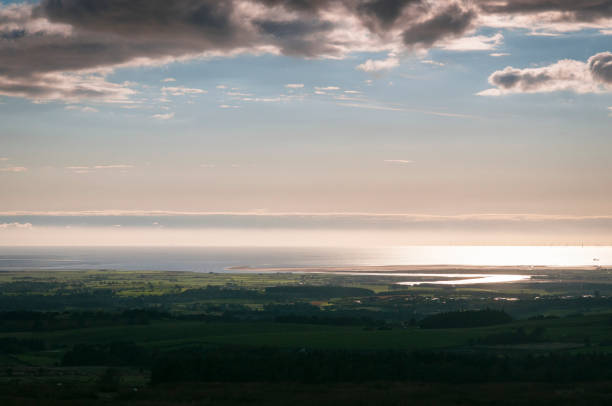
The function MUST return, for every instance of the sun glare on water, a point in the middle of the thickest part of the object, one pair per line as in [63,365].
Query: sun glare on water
[501,255]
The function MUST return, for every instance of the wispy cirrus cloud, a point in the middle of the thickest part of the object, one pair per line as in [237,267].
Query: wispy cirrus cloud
[163,116]
[372,106]
[181,91]
[5,226]
[84,109]
[92,168]
[13,169]
[536,226]
[71,87]
[114,166]
[399,161]
[474,43]
[265,213]
[431,62]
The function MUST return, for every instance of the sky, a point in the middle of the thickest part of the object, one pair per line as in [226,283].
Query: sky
[297,122]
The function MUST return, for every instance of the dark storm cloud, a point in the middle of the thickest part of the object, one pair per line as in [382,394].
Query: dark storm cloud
[387,11]
[300,5]
[209,19]
[106,33]
[600,66]
[453,21]
[53,37]
[380,15]
[12,34]
[68,37]
[298,37]
[111,32]
[571,10]
[376,15]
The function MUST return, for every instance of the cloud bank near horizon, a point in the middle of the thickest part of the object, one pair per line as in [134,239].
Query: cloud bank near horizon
[336,229]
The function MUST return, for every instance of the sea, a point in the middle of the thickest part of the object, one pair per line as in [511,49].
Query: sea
[222,259]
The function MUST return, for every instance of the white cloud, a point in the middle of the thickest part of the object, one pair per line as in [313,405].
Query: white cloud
[474,43]
[593,76]
[238,94]
[169,80]
[431,62]
[14,169]
[370,106]
[350,97]
[166,116]
[490,92]
[4,226]
[265,99]
[294,85]
[499,54]
[399,161]
[115,166]
[84,109]
[89,169]
[228,106]
[372,65]
[181,91]
[69,87]
[324,88]
[221,87]
[544,34]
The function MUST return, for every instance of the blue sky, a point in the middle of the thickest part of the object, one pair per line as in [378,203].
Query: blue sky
[283,131]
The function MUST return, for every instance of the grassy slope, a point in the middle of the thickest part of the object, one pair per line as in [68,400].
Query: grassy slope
[175,334]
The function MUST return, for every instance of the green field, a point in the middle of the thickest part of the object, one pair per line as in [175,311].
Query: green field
[98,335]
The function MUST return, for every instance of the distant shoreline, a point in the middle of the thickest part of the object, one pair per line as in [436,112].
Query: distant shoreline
[458,269]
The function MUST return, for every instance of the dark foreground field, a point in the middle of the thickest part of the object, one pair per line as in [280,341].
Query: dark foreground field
[155,338]
[371,393]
